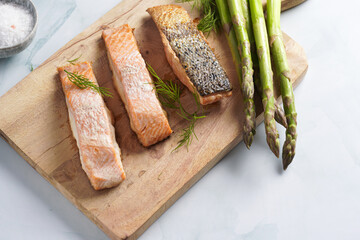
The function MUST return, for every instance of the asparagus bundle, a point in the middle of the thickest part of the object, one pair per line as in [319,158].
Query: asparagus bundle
[244,64]
[279,113]
[282,70]
[266,75]
[256,65]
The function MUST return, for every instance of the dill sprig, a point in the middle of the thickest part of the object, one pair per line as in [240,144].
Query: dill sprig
[210,16]
[169,93]
[169,96]
[31,68]
[83,82]
[189,132]
[72,61]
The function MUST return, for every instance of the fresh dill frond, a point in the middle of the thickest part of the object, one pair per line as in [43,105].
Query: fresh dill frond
[169,93]
[31,68]
[83,82]
[186,136]
[189,132]
[72,62]
[210,21]
[169,96]
[210,15]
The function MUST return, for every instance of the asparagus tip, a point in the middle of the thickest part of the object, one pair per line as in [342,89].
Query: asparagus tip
[280,116]
[288,151]
[248,138]
[287,159]
[274,145]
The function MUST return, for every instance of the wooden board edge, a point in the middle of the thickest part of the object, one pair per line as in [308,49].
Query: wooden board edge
[285,4]
[16,148]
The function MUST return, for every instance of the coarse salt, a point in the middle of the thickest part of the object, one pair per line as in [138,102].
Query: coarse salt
[16,23]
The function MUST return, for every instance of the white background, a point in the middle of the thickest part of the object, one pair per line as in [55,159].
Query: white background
[245,196]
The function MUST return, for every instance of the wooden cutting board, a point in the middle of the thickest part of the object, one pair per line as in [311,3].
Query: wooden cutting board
[34,121]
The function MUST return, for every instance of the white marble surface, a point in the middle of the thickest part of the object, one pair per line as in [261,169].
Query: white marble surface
[245,196]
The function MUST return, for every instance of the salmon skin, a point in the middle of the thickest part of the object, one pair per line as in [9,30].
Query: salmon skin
[90,121]
[133,82]
[189,54]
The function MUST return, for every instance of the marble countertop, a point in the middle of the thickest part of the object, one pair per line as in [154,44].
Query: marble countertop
[245,196]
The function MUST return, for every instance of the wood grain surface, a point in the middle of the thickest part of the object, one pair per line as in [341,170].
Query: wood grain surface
[286,4]
[34,121]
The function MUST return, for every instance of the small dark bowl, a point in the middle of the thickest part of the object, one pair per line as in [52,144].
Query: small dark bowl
[15,49]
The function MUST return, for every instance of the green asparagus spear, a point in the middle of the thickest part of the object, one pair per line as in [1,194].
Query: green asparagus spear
[279,113]
[282,69]
[245,65]
[266,75]
[226,23]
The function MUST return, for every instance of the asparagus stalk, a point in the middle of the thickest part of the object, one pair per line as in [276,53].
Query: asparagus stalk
[279,113]
[250,124]
[282,69]
[266,75]
[245,65]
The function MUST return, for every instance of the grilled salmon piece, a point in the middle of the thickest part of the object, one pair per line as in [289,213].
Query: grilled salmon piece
[189,54]
[134,85]
[90,121]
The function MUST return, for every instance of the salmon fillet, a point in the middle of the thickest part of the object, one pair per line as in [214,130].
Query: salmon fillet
[190,55]
[90,121]
[134,85]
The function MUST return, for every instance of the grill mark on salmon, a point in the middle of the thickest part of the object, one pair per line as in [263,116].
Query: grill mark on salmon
[134,85]
[189,54]
[90,122]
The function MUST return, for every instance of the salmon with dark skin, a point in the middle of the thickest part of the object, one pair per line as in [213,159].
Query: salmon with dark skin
[134,84]
[190,55]
[90,122]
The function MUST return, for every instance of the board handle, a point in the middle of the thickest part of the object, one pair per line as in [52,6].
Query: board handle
[286,4]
